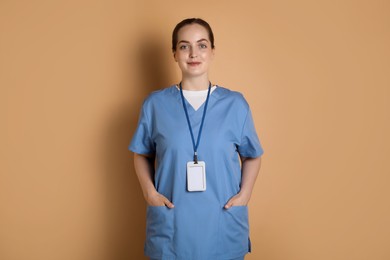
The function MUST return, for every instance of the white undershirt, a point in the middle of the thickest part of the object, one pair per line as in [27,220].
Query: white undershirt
[196,97]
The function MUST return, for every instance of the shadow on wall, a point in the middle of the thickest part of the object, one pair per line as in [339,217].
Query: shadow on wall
[125,205]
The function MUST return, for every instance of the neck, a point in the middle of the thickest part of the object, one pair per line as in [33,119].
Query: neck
[195,83]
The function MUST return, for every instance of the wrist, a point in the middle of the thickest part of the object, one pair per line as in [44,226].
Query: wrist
[150,193]
[245,195]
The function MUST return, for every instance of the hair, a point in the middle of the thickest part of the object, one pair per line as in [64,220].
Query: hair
[188,22]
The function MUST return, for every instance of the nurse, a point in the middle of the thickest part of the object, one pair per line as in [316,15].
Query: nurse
[197,156]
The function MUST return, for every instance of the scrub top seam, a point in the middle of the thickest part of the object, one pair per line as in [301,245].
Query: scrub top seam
[243,125]
[148,126]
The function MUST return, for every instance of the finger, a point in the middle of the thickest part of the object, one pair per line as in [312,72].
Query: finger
[168,203]
[229,204]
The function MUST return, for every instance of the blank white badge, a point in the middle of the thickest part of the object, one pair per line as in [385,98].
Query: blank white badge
[196,176]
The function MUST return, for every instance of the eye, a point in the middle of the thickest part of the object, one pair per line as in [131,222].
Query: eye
[183,47]
[203,46]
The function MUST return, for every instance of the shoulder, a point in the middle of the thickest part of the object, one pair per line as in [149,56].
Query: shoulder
[235,97]
[159,95]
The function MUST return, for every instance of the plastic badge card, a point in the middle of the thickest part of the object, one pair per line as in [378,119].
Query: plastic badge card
[196,176]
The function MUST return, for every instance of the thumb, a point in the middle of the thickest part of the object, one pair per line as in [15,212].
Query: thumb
[229,204]
[168,203]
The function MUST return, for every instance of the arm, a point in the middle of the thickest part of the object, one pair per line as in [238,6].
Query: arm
[249,171]
[144,168]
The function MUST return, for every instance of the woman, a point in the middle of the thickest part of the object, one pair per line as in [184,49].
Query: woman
[197,156]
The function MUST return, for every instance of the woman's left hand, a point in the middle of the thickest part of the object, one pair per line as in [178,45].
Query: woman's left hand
[237,200]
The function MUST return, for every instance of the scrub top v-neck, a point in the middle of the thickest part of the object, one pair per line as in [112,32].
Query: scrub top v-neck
[198,228]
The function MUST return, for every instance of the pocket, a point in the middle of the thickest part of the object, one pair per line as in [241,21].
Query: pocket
[159,230]
[234,230]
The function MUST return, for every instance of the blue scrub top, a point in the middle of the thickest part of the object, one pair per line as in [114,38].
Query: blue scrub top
[198,228]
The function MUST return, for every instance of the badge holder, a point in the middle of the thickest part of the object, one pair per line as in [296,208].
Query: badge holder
[196,176]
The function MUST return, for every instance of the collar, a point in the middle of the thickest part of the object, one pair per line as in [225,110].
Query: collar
[218,93]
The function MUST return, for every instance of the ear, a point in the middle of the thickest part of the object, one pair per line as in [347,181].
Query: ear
[213,53]
[174,55]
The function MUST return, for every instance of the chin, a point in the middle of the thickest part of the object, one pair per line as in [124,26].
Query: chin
[195,74]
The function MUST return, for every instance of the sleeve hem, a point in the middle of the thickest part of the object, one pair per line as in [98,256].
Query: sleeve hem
[138,150]
[252,155]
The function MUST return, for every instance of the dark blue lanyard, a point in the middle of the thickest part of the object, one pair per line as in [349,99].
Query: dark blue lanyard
[189,123]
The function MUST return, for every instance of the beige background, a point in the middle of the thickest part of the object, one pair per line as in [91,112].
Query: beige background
[73,75]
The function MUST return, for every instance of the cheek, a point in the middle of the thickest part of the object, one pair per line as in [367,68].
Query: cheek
[207,55]
[179,56]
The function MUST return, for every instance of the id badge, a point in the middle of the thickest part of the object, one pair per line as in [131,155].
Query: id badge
[196,176]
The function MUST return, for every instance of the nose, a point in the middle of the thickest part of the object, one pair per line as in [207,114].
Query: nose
[193,53]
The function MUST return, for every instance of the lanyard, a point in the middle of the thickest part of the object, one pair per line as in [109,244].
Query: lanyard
[189,124]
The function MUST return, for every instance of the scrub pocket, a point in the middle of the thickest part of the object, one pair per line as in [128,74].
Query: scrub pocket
[234,231]
[159,231]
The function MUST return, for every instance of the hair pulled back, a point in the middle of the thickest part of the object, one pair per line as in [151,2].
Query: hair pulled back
[188,22]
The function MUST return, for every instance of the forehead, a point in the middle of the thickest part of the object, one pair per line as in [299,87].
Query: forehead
[192,32]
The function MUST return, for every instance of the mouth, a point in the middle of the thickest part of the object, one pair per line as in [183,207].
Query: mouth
[193,63]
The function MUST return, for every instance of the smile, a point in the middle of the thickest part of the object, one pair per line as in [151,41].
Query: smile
[193,63]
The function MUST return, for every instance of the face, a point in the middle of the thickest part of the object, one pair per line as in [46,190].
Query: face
[193,50]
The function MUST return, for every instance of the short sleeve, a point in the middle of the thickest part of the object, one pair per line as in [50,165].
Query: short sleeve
[250,144]
[141,142]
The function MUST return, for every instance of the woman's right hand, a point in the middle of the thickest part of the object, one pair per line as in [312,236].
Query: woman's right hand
[157,199]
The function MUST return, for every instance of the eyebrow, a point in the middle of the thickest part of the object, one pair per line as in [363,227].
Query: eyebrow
[201,40]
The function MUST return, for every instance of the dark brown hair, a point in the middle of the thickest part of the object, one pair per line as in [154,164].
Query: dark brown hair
[191,21]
